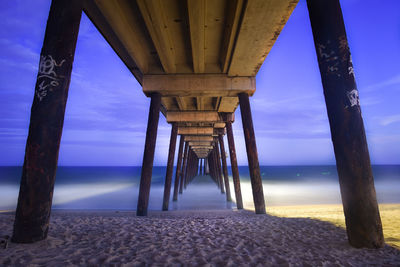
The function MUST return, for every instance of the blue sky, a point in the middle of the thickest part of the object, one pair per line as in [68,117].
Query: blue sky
[106,115]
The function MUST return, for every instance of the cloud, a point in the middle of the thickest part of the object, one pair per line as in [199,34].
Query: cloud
[384,121]
[395,80]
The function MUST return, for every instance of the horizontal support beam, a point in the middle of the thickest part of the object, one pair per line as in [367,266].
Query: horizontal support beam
[219,125]
[199,138]
[199,116]
[202,148]
[198,85]
[196,130]
[193,116]
[194,143]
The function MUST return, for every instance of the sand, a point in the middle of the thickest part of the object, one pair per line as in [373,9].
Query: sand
[210,238]
[390,216]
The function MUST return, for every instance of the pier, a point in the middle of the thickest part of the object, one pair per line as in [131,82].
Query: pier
[197,61]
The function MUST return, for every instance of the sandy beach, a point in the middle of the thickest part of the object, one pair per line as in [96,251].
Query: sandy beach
[211,238]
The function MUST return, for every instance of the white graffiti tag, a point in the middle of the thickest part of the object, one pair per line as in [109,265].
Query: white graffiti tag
[47,77]
[353,97]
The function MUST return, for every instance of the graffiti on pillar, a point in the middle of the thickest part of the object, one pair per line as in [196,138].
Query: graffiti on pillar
[353,98]
[329,58]
[47,77]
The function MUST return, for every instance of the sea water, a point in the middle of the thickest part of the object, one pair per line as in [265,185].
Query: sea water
[118,187]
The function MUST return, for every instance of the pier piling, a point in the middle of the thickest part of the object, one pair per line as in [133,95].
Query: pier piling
[252,155]
[148,156]
[234,166]
[46,123]
[170,166]
[363,223]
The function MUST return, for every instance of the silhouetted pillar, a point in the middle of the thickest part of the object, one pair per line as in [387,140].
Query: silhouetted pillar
[170,166]
[218,168]
[363,223]
[148,156]
[252,155]
[178,168]
[185,161]
[234,166]
[188,165]
[224,168]
[47,117]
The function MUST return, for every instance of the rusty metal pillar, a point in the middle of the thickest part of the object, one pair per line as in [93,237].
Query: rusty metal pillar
[178,168]
[224,168]
[170,166]
[47,117]
[148,156]
[363,223]
[252,155]
[234,166]
[183,172]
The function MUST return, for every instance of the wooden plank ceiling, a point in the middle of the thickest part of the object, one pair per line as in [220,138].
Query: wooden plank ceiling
[199,54]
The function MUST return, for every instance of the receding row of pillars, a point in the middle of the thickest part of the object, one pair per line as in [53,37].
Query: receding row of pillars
[188,163]
[363,224]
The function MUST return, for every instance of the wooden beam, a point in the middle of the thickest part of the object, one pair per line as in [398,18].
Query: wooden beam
[197,23]
[199,143]
[193,116]
[200,103]
[154,17]
[219,125]
[260,27]
[199,138]
[212,85]
[181,103]
[228,104]
[125,26]
[32,216]
[232,24]
[195,130]
[103,26]
[201,147]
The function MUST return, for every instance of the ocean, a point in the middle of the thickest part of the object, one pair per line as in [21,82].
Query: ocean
[117,188]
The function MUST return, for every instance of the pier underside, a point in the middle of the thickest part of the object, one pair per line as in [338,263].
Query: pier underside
[197,60]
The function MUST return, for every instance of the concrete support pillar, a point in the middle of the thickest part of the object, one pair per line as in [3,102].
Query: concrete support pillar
[224,168]
[183,173]
[170,166]
[363,223]
[178,168]
[234,166]
[47,117]
[148,156]
[252,155]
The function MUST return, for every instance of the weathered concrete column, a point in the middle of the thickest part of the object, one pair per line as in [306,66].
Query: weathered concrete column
[363,223]
[178,168]
[148,156]
[170,166]
[225,168]
[47,117]
[185,161]
[252,155]
[234,165]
